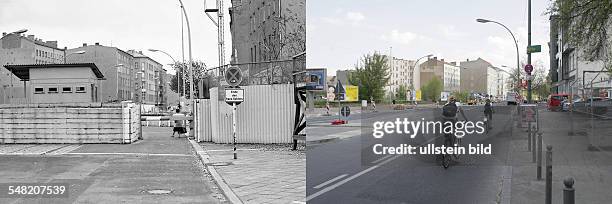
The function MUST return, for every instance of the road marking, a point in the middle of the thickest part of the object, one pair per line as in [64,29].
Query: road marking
[136,154]
[380,159]
[228,150]
[330,181]
[329,188]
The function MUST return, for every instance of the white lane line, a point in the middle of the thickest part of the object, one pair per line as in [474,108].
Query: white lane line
[227,150]
[329,188]
[380,159]
[137,154]
[330,181]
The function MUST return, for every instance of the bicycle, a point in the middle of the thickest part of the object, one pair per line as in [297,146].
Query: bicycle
[446,158]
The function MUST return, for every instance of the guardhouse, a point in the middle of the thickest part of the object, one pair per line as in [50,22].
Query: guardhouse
[59,83]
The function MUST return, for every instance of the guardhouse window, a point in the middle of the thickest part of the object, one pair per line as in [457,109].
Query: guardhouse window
[67,90]
[80,89]
[39,90]
[52,90]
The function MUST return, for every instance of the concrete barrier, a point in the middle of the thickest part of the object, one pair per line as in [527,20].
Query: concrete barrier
[69,123]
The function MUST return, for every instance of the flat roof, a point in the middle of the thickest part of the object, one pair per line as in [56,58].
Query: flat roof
[23,70]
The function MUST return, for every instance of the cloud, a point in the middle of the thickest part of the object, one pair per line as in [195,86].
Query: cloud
[354,17]
[450,31]
[342,17]
[402,37]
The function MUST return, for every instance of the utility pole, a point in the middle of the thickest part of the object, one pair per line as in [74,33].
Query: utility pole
[529,53]
[220,34]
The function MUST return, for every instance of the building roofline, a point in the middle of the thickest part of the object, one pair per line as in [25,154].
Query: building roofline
[23,70]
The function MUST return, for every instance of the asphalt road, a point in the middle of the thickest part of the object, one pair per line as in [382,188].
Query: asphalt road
[158,169]
[337,174]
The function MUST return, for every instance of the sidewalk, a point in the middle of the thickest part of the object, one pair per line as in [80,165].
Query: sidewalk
[262,173]
[591,170]
[158,169]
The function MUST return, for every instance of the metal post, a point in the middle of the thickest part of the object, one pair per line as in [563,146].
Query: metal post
[568,191]
[539,150]
[234,128]
[529,137]
[533,146]
[528,45]
[548,174]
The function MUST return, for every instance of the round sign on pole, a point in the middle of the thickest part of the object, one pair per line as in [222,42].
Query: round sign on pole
[345,111]
[233,76]
[528,68]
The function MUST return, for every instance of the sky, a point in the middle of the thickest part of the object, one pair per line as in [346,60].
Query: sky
[340,32]
[133,24]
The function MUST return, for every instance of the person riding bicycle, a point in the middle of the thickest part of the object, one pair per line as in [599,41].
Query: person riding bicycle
[488,111]
[450,110]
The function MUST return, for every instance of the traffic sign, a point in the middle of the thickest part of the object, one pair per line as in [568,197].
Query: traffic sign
[534,49]
[233,76]
[234,95]
[528,68]
[345,111]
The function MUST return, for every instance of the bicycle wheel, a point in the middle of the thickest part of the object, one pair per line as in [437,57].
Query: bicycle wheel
[458,142]
[446,158]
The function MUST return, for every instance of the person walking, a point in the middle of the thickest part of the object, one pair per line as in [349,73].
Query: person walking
[179,125]
[488,111]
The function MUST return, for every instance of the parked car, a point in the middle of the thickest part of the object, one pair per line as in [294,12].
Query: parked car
[566,103]
[555,101]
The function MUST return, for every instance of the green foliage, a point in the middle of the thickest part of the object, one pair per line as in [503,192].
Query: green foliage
[462,96]
[432,89]
[371,76]
[401,93]
[588,25]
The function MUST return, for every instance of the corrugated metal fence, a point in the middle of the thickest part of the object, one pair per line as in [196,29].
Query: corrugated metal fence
[266,116]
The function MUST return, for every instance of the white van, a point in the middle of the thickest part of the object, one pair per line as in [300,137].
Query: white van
[512,98]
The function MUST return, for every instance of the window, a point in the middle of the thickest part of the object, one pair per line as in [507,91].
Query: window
[67,90]
[80,89]
[39,90]
[52,90]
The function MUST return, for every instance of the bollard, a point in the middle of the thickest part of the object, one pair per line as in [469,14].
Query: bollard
[539,150]
[528,136]
[534,150]
[568,191]
[548,174]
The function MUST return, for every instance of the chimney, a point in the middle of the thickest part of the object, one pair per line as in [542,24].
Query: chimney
[97,43]
[31,37]
[52,43]
[84,44]
[3,34]
[140,52]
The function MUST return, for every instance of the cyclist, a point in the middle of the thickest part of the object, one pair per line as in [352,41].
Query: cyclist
[449,114]
[488,111]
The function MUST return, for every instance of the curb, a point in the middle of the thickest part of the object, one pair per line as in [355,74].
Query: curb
[227,191]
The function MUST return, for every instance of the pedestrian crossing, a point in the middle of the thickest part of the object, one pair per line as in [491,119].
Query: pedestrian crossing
[37,149]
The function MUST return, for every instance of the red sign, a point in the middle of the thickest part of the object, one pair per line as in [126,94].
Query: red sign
[528,69]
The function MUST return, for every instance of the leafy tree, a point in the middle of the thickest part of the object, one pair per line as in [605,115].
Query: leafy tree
[401,93]
[588,25]
[432,89]
[182,76]
[462,96]
[371,76]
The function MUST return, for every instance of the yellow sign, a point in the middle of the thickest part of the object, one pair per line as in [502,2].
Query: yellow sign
[352,93]
[418,95]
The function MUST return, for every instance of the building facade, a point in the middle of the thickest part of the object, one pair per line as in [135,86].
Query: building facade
[21,49]
[401,73]
[266,35]
[150,79]
[569,72]
[448,73]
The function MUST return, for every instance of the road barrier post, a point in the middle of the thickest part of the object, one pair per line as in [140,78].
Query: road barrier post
[534,149]
[539,149]
[548,174]
[568,191]
[529,137]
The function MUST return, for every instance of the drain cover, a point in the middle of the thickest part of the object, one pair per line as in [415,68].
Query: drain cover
[159,192]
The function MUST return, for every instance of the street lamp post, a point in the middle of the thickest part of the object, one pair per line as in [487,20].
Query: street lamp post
[190,56]
[415,70]
[518,66]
